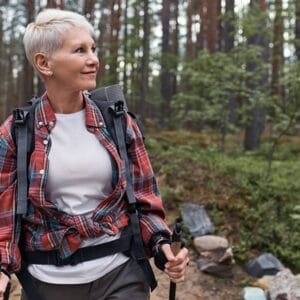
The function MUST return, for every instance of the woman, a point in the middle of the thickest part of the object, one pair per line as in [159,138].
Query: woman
[76,183]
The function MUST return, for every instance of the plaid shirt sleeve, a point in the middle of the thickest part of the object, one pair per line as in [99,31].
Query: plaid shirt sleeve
[145,187]
[9,250]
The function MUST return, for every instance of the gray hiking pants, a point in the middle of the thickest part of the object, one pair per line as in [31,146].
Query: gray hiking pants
[126,282]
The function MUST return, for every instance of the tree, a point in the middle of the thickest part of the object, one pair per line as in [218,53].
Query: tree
[229,28]
[212,37]
[103,40]
[277,55]
[116,12]
[145,59]
[27,74]
[257,37]
[55,4]
[297,29]
[166,84]
[189,52]
[88,9]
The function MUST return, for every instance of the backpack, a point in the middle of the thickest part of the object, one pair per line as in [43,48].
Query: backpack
[112,104]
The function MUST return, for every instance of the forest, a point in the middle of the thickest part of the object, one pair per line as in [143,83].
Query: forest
[217,85]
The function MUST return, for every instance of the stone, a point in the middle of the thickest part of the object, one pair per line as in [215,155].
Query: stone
[253,293]
[210,267]
[284,286]
[265,264]
[210,243]
[197,220]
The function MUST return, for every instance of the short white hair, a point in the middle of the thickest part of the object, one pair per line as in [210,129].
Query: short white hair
[47,33]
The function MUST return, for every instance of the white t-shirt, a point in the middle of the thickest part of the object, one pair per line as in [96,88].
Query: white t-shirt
[80,176]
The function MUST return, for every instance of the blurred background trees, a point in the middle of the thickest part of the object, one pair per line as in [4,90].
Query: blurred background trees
[204,65]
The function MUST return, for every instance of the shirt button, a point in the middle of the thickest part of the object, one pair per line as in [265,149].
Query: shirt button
[45,142]
[41,123]
[42,172]
[51,123]
[101,123]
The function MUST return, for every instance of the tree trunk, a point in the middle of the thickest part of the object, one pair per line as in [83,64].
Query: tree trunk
[277,57]
[201,38]
[175,45]
[297,29]
[125,76]
[229,28]
[103,40]
[114,38]
[55,4]
[2,73]
[88,9]
[27,91]
[256,123]
[189,52]
[145,59]
[166,86]
[212,25]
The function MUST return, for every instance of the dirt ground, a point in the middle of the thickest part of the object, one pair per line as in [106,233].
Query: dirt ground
[197,286]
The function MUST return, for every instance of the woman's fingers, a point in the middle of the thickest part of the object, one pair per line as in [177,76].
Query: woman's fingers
[4,279]
[175,268]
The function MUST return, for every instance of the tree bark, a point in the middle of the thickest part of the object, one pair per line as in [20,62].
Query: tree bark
[145,59]
[175,45]
[256,123]
[27,91]
[125,49]
[297,29]
[166,86]
[277,57]
[88,9]
[212,25]
[229,28]
[114,38]
[3,108]
[102,42]
[201,38]
[189,52]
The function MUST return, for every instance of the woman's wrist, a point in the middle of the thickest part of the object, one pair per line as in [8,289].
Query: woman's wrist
[4,271]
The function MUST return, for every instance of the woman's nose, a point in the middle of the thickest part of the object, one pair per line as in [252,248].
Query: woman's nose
[93,58]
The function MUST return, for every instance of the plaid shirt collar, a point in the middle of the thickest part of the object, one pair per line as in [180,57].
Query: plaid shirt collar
[45,115]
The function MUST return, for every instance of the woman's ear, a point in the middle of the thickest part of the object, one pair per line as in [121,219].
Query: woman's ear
[42,64]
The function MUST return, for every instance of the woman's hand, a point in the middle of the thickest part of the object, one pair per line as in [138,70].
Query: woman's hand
[4,280]
[176,266]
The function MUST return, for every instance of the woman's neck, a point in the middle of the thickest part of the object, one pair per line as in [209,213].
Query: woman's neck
[65,102]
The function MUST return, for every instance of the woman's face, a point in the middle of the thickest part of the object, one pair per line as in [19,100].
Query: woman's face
[75,65]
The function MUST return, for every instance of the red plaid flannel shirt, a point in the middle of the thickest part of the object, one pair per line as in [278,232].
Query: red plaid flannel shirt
[46,228]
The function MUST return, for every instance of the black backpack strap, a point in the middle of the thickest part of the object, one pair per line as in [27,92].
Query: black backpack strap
[23,136]
[112,104]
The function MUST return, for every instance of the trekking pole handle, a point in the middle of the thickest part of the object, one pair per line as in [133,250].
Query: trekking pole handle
[176,239]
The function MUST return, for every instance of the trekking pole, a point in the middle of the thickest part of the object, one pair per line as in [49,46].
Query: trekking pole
[175,247]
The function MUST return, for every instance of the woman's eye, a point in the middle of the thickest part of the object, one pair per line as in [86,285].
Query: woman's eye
[79,50]
[94,49]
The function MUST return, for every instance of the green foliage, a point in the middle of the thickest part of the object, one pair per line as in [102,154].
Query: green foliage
[263,215]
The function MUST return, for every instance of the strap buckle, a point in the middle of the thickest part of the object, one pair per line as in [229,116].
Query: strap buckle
[119,108]
[70,260]
[19,116]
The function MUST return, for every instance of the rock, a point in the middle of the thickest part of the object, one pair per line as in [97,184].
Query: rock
[197,220]
[253,293]
[210,242]
[285,286]
[295,289]
[210,267]
[265,264]
[228,256]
